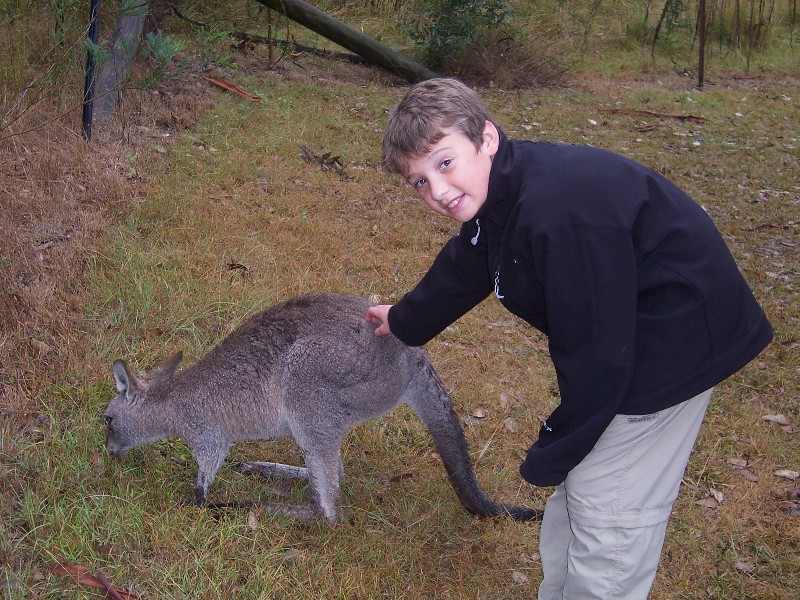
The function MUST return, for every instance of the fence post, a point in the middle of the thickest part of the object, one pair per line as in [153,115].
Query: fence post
[88,88]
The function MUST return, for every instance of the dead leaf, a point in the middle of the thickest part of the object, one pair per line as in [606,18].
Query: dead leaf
[718,496]
[111,591]
[503,400]
[252,521]
[42,348]
[510,424]
[737,463]
[789,507]
[744,566]
[747,475]
[479,413]
[233,88]
[708,503]
[243,268]
[787,474]
[779,419]
[82,576]
[293,554]
[519,578]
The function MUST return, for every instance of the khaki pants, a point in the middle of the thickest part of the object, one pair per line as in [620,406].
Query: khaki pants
[604,527]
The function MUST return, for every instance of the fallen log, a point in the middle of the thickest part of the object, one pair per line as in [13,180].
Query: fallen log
[350,38]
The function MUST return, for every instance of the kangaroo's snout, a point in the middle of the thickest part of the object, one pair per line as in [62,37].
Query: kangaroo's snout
[115,449]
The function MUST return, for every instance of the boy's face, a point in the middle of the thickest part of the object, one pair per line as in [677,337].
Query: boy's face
[453,178]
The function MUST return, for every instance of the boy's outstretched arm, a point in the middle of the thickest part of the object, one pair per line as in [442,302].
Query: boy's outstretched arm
[380,316]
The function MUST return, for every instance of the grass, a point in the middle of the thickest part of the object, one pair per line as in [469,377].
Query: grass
[164,243]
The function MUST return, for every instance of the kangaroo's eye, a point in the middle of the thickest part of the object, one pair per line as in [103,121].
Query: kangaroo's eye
[108,420]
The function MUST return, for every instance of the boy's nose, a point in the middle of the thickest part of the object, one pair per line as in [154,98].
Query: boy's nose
[439,189]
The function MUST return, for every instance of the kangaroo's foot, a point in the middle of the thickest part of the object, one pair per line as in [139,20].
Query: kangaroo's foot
[302,514]
[219,506]
[274,470]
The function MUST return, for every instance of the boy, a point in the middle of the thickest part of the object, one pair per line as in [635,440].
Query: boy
[643,306]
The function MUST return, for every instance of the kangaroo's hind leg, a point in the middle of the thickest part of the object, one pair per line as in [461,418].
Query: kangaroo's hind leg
[324,463]
[323,473]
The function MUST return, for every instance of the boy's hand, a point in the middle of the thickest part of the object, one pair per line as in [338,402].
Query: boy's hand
[380,316]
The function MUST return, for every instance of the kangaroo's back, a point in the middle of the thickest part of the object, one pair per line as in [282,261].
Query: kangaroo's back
[265,338]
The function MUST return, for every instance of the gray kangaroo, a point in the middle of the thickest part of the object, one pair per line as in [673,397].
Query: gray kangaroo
[311,368]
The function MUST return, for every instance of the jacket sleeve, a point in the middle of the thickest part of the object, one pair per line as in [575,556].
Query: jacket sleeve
[589,278]
[457,281]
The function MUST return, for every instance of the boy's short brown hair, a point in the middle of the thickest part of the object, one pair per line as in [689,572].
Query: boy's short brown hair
[416,124]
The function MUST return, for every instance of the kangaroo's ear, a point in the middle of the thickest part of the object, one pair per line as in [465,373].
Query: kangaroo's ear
[166,370]
[124,382]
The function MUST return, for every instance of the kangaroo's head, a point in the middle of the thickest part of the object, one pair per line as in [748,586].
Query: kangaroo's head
[128,420]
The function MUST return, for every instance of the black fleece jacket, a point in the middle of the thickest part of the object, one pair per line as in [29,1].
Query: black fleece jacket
[640,298]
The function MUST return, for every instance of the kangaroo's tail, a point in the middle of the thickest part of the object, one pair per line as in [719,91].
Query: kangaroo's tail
[433,405]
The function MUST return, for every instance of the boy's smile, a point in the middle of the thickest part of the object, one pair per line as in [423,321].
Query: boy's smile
[453,177]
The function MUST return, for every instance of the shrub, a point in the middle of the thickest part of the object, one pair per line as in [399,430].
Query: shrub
[447,28]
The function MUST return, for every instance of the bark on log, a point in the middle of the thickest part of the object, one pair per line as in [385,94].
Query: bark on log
[350,38]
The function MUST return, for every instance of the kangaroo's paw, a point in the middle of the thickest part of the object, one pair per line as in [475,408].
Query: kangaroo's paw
[274,470]
[219,506]
[302,514]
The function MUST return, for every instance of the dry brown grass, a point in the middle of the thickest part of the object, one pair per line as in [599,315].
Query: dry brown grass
[54,193]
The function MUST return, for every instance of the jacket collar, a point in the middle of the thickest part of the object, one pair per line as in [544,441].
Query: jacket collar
[502,184]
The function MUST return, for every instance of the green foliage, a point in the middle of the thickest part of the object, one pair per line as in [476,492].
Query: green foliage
[161,48]
[134,8]
[446,28]
[208,38]
[98,52]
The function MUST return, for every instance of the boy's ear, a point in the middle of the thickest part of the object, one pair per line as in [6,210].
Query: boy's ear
[491,138]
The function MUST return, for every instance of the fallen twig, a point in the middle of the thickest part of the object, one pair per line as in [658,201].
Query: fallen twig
[764,226]
[650,113]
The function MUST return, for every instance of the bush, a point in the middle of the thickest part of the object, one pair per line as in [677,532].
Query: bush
[447,28]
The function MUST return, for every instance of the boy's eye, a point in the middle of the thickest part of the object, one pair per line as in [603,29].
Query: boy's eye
[445,163]
[419,183]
